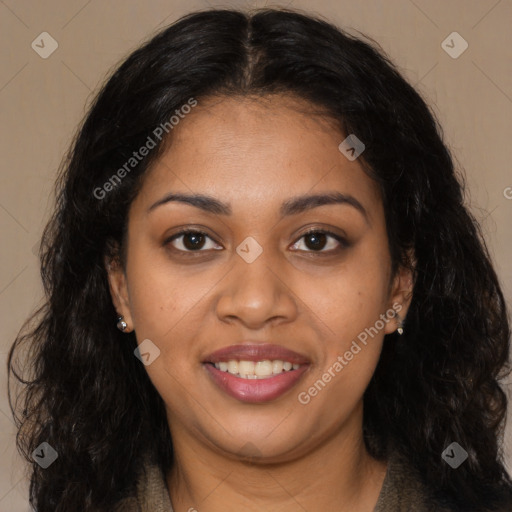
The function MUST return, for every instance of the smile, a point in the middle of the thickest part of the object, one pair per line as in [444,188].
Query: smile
[255,373]
[256,370]
[255,389]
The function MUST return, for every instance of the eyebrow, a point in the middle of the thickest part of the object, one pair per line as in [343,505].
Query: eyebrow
[292,206]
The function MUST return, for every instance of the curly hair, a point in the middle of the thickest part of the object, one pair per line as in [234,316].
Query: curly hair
[85,393]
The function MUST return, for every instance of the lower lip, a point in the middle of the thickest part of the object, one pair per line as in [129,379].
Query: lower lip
[255,390]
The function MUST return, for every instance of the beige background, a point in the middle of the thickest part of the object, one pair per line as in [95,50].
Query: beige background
[42,101]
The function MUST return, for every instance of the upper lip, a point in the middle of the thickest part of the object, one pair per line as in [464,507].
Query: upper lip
[255,352]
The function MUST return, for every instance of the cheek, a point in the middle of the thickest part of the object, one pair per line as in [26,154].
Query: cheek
[170,308]
[350,299]
[351,306]
[162,297]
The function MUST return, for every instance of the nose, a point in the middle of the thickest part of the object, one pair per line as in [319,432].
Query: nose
[256,294]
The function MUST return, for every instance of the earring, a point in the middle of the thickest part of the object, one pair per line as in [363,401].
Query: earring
[400,328]
[121,324]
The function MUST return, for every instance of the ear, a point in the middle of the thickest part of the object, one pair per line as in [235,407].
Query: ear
[119,289]
[401,295]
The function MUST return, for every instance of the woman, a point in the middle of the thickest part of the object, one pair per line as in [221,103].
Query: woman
[264,291]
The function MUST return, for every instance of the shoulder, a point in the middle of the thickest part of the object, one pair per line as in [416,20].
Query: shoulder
[403,490]
[151,492]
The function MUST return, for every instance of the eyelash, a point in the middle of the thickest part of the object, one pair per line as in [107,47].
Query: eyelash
[343,243]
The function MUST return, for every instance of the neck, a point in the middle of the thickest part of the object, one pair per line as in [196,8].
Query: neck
[336,474]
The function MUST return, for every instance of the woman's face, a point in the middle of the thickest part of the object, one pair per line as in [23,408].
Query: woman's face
[255,278]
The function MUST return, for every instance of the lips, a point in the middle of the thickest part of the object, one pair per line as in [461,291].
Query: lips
[256,352]
[262,389]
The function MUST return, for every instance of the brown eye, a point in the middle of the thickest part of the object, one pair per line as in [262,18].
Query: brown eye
[192,241]
[317,240]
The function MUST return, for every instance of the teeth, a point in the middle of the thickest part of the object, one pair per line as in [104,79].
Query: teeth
[256,370]
[263,368]
[277,366]
[246,368]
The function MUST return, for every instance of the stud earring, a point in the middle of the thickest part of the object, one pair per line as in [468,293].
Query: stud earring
[121,324]
[400,328]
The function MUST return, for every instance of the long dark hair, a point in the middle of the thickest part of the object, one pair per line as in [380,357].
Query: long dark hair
[86,394]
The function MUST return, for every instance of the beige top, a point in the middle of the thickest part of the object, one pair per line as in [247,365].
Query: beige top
[400,492]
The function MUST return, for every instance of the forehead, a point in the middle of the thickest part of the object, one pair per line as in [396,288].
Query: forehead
[256,152]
